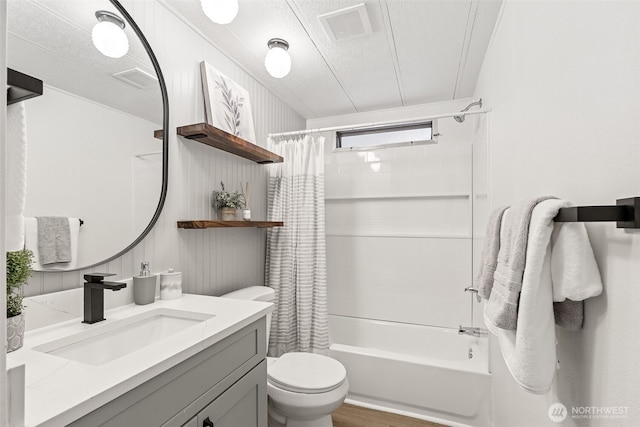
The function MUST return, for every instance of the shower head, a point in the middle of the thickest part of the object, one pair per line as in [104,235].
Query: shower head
[460,119]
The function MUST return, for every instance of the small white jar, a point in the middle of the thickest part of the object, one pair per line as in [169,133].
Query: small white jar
[170,284]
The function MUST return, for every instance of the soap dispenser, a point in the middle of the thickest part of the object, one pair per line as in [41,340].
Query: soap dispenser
[144,285]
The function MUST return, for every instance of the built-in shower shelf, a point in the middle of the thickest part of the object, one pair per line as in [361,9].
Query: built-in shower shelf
[202,224]
[217,138]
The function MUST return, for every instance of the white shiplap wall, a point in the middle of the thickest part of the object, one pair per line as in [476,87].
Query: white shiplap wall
[212,261]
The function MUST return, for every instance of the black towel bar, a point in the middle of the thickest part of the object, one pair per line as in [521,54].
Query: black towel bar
[626,213]
[21,86]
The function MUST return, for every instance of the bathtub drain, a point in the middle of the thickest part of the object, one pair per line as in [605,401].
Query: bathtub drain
[470,353]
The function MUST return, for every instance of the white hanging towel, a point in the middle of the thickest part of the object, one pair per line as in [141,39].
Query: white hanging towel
[31,242]
[530,350]
[16,176]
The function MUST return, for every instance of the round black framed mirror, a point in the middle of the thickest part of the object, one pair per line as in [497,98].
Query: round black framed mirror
[91,151]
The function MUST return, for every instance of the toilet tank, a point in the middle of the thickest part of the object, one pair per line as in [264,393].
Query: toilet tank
[255,293]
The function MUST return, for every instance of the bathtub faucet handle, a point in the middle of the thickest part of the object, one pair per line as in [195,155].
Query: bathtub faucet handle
[470,330]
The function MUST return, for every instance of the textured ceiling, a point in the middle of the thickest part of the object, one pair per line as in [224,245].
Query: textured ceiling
[420,51]
[51,40]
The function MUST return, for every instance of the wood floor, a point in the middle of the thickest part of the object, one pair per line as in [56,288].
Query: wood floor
[356,416]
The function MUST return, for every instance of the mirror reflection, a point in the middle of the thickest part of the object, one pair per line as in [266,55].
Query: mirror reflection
[91,154]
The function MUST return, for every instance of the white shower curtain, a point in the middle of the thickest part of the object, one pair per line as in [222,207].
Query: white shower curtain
[296,253]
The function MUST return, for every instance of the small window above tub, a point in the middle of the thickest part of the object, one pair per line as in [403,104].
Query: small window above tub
[387,136]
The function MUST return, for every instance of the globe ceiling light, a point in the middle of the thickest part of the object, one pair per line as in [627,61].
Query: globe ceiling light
[278,62]
[108,35]
[220,11]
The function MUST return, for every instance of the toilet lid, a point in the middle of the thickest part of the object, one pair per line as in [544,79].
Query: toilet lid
[306,373]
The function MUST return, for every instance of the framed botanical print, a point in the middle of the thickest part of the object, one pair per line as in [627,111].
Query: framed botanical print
[227,104]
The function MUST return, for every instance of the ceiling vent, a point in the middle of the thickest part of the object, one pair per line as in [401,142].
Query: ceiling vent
[348,22]
[136,77]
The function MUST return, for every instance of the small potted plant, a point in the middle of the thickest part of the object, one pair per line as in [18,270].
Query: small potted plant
[227,203]
[18,271]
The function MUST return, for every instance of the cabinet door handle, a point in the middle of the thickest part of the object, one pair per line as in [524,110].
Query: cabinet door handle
[207,423]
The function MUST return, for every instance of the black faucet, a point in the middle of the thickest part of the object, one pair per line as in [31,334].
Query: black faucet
[94,295]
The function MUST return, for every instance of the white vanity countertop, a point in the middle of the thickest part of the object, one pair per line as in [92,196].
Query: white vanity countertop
[59,391]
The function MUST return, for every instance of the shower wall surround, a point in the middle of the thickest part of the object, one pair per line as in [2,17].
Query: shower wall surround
[212,261]
[399,222]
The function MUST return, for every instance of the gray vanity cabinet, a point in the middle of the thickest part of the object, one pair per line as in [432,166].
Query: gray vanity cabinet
[240,405]
[193,422]
[225,385]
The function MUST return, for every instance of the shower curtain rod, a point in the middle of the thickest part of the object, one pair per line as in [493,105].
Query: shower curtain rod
[376,124]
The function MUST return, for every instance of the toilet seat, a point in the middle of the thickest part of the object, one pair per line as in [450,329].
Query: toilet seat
[306,373]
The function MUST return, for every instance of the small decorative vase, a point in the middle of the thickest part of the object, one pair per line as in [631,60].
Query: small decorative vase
[228,214]
[170,285]
[246,214]
[15,332]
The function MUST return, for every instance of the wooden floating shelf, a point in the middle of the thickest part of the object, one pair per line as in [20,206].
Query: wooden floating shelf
[217,138]
[201,224]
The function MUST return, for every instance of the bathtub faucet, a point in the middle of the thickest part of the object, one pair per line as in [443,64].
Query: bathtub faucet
[470,330]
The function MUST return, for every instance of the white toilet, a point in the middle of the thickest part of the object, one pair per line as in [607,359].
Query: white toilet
[303,388]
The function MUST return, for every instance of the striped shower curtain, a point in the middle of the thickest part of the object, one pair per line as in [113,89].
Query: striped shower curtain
[296,253]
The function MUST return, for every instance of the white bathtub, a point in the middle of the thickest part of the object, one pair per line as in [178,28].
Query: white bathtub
[420,371]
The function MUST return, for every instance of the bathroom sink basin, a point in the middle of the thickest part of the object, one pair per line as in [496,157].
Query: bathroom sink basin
[103,343]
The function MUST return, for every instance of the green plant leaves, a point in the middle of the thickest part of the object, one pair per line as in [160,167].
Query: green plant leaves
[18,272]
[224,199]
